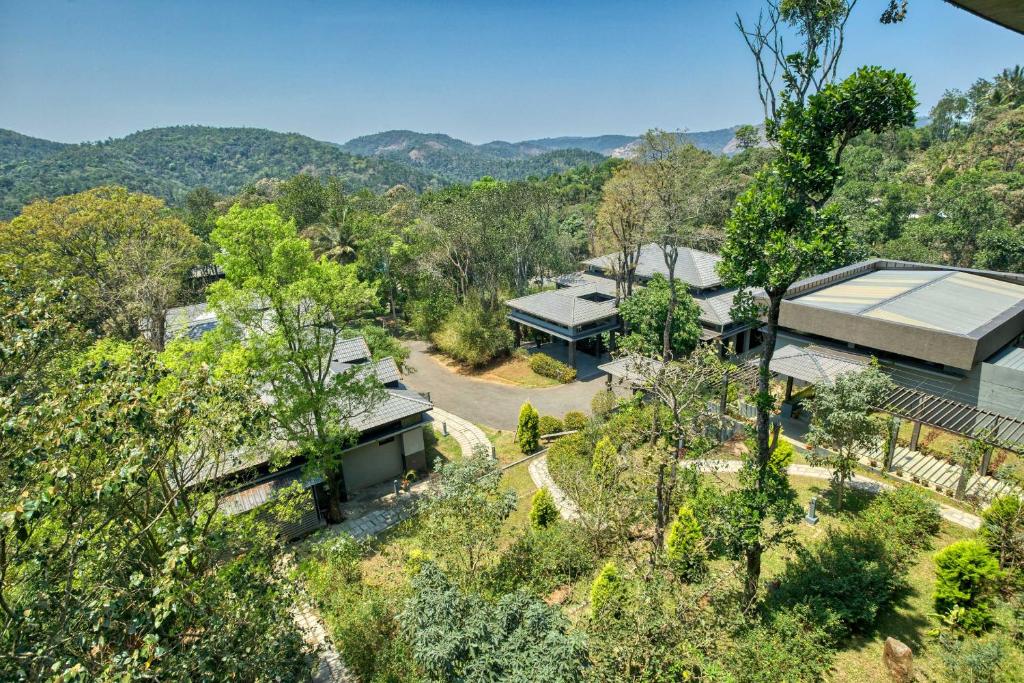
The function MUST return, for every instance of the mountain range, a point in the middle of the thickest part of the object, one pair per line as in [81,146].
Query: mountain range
[170,162]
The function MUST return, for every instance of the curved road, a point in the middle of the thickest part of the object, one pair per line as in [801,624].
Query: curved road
[490,403]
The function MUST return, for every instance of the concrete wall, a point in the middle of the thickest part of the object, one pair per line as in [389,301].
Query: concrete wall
[1001,389]
[414,449]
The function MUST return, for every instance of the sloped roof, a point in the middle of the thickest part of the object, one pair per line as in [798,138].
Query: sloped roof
[814,364]
[694,267]
[349,350]
[1007,13]
[631,368]
[398,404]
[568,306]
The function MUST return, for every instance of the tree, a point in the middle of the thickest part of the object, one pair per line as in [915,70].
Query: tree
[844,422]
[607,593]
[967,575]
[138,558]
[122,253]
[543,511]
[1003,530]
[458,636]
[623,224]
[684,546]
[782,228]
[748,137]
[528,433]
[201,211]
[465,512]
[285,312]
[648,311]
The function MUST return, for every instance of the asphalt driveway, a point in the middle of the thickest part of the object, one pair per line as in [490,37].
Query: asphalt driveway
[489,403]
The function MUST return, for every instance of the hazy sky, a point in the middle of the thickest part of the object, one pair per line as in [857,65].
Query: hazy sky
[88,70]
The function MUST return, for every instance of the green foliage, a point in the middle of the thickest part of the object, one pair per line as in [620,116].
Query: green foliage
[549,424]
[528,432]
[474,335]
[844,422]
[384,345]
[967,575]
[645,312]
[685,552]
[575,421]
[541,560]
[1002,530]
[608,592]
[543,511]
[545,365]
[977,660]
[855,572]
[788,645]
[464,513]
[605,463]
[458,636]
[603,403]
[170,162]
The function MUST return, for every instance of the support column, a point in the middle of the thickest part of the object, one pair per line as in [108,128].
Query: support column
[572,354]
[517,330]
[746,340]
[894,431]
[915,435]
[611,340]
[789,388]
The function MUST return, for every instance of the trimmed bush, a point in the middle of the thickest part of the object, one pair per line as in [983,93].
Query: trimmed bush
[545,365]
[606,460]
[684,547]
[474,335]
[1003,530]
[528,434]
[550,425]
[543,511]
[967,574]
[575,421]
[569,457]
[607,593]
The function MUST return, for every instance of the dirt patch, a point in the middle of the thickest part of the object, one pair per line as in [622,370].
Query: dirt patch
[511,371]
[559,595]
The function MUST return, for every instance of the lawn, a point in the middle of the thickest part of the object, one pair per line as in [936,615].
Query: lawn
[516,370]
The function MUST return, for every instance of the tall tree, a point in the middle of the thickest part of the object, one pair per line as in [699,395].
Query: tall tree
[123,254]
[782,228]
[623,223]
[845,423]
[648,312]
[286,311]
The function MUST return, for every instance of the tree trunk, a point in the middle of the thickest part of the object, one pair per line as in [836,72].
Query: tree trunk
[666,341]
[840,492]
[763,454]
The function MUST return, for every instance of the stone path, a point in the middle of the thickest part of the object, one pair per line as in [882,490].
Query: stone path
[468,435]
[542,480]
[948,512]
[330,668]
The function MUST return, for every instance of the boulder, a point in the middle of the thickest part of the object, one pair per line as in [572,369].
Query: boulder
[899,660]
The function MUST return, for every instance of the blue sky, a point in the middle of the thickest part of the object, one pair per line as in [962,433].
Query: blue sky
[88,70]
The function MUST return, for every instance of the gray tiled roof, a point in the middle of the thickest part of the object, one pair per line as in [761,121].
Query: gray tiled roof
[397,404]
[694,267]
[815,364]
[349,350]
[566,306]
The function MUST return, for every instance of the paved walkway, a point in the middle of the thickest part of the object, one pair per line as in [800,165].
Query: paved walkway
[491,403]
[542,480]
[469,437]
[948,512]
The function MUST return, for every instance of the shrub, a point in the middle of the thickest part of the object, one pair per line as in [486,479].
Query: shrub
[789,645]
[607,593]
[550,425]
[973,659]
[905,519]
[684,547]
[1003,530]
[603,403]
[541,560]
[846,574]
[427,315]
[545,365]
[528,434]
[569,458]
[543,511]
[474,335]
[575,421]
[967,573]
[605,460]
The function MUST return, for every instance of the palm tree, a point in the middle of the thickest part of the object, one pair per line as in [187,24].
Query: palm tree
[1008,87]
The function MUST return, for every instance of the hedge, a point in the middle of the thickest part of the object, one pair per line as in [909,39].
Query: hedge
[545,365]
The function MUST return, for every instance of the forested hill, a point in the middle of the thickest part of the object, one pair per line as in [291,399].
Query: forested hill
[459,161]
[169,162]
[462,161]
